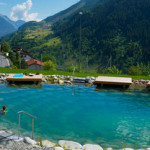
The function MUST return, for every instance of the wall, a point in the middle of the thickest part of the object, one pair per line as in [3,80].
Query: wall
[35,67]
[26,57]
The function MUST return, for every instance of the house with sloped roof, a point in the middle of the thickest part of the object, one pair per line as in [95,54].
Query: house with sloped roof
[35,64]
[32,63]
[23,54]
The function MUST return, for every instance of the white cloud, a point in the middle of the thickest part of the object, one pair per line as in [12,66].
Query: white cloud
[21,12]
[2,4]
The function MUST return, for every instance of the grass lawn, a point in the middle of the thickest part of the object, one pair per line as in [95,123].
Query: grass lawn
[8,70]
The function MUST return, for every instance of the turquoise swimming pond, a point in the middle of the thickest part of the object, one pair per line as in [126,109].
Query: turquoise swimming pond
[109,118]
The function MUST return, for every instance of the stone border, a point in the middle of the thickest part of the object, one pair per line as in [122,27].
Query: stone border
[70,80]
[27,143]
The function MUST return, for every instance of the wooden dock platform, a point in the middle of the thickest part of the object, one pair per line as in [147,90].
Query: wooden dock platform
[25,78]
[113,81]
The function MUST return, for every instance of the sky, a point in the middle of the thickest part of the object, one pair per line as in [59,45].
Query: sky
[29,10]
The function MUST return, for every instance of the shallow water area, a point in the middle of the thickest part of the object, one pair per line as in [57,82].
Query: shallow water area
[110,118]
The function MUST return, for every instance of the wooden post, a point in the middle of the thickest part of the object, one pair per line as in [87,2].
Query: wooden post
[124,86]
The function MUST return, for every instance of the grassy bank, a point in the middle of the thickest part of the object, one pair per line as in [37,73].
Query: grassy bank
[44,72]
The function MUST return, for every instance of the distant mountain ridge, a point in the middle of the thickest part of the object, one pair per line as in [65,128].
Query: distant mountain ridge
[8,26]
[87,4]
[19,23]
[83,4]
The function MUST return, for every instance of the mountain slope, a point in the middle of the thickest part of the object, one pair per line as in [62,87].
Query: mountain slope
[119,29]
[83,4]
[19,23]
[116,31]
[44,26]
[8,26]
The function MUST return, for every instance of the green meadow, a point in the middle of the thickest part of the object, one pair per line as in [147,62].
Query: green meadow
[77,74]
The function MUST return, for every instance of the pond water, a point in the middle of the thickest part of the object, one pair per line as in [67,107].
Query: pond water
[110,118]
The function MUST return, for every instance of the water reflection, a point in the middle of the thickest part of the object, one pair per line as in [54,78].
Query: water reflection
[110,89]
[24,85]
[119,89]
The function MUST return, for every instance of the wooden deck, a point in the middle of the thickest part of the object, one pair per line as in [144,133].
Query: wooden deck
[113,81]
[25,78]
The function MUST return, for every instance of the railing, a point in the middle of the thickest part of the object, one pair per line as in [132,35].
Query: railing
[32,122]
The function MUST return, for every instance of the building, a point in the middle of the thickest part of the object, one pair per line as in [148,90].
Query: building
[32,63]
[35,64]
[23,54]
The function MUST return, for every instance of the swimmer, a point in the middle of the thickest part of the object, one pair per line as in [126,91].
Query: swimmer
[4,109]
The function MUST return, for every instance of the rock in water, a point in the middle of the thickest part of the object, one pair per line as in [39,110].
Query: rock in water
[58,148]
[47,143]
[27,140]
[92,147]
[127,149]
[61,82]
[70,144]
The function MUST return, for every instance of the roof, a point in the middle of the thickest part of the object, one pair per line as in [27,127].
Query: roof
[34,62]
[23,52]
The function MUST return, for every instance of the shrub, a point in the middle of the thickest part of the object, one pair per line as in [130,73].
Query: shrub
[49,65]
[72,67]
[113,70]
[134,70]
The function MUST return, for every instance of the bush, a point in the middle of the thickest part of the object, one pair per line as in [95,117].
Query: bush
[72,67]
[113,70]
[145,69]
[14,67]
[47,58]
[134,70]
[48,65]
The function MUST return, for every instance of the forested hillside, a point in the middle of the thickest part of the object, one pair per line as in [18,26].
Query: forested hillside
[116,32]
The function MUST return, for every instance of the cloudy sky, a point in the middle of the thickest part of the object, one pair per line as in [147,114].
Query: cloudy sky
[33,9]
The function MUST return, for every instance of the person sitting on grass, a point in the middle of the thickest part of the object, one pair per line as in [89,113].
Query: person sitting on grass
[4,109]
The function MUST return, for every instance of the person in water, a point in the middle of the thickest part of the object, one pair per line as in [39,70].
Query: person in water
[4,109]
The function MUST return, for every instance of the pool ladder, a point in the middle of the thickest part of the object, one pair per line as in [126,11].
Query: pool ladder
[32,123]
